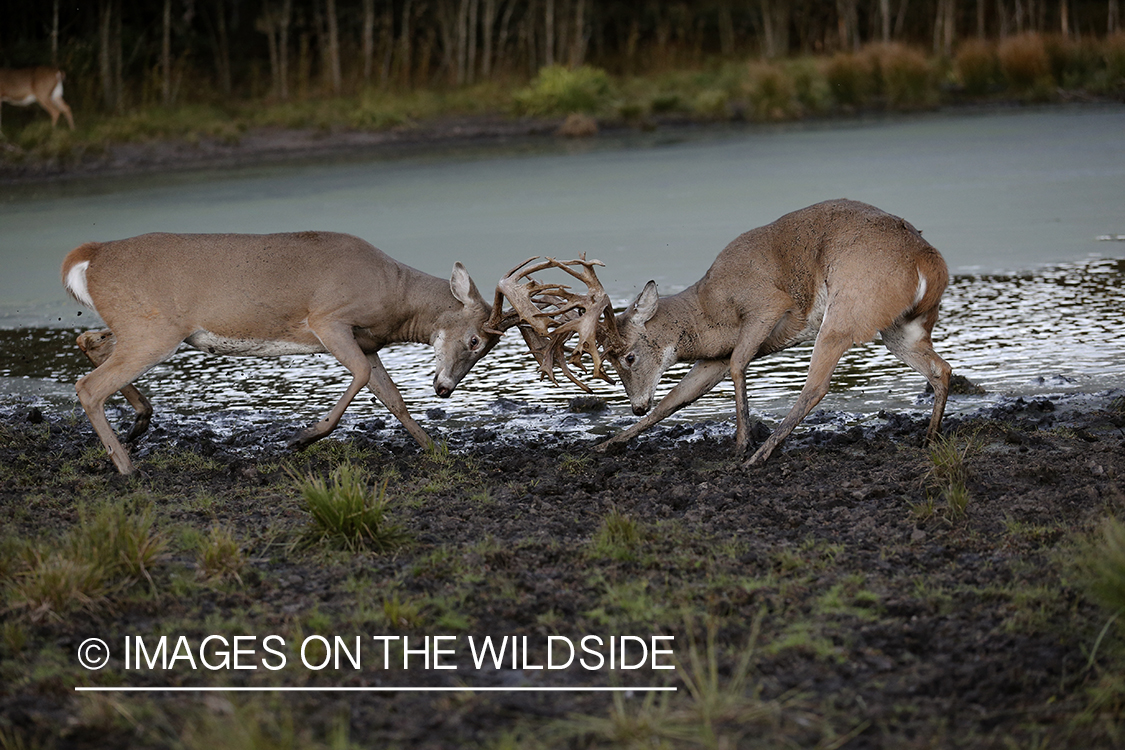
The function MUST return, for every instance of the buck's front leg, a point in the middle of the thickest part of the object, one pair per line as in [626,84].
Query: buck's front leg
[387,392]
[705,375]
[341,344]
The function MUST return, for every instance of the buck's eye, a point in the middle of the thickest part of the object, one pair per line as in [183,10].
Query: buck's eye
[474,342]
[630,359]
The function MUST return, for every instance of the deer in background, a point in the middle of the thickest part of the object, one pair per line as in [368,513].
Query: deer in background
[25,86]
[836,272]
[267,295]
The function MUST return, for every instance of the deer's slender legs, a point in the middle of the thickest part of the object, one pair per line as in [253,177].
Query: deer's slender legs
[126,362]
[387,392]
[97,346]
[830,346]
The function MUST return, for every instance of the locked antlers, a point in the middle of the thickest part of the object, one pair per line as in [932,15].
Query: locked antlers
[549,314]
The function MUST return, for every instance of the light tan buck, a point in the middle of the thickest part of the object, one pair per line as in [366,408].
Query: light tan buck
[24,86]
[267,295]
[838,272]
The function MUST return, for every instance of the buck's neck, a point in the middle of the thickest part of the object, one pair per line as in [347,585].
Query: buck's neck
[426,299]
[681,318]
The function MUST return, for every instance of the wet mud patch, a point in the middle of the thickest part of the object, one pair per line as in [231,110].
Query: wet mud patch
[876,611]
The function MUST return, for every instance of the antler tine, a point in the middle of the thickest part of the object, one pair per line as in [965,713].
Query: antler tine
[549,314]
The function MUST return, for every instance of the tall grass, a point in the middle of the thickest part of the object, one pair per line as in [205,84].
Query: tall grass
[1024,63]
[110,550]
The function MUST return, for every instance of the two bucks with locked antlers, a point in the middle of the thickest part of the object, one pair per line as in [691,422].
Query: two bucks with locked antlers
[268,295]
[836,272]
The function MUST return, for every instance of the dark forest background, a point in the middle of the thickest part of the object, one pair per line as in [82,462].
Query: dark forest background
[125,53]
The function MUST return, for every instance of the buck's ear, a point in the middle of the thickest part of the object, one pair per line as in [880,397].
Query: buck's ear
[644,307]
[462,286]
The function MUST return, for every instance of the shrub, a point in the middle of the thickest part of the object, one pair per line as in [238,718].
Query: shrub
[1073,64]
[903,74]
[976,66]
[1024,62]
[810,87]
[1113,52]
[849,79]
[559,90]
[772,93]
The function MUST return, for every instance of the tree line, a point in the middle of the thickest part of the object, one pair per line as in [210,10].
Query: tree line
[125,52]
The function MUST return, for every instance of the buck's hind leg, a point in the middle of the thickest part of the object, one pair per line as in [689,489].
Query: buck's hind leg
[910,341]
[97,346]
[830,346]
[121,366]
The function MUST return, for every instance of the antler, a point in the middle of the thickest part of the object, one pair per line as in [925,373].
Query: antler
[550,314]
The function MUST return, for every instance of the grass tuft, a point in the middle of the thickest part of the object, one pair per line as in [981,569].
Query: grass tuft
[220,556]
[618,537]
[346,512]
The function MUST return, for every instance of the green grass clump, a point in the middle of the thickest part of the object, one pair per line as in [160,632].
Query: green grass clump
[109,551]
[948,477]
[618,537]
[345,511]
[558,90]
[1102,566]
[220,556]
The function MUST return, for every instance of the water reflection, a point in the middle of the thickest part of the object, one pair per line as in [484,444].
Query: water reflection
[1056,330]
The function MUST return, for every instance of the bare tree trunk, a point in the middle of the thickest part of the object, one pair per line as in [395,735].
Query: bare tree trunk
[105,66]
[335,79]
[900,20]
[549,33]
[944,24]
[726,29]
[1003,17]
[387,37]
[487,22]
[55,34]
[283,49]
[166,55]
[980,19]
[222,48]
[474,32]
[368,40]
[885,20]
[405,51]
[847,21]
[1113,17]
[579,38]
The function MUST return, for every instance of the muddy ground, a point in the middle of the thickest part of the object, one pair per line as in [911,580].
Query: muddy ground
[852,602]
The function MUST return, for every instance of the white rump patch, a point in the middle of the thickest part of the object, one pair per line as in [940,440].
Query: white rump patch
[918,295]
[213,344]
[76,284]
[56,93]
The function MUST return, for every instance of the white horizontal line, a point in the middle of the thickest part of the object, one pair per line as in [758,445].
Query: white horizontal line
[373,689]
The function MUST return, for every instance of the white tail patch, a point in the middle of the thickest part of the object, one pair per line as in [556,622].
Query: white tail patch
[57,92]
[918,295]
[76,284]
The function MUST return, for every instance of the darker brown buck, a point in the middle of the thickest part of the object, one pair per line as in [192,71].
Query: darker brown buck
[267,295]
[837,272]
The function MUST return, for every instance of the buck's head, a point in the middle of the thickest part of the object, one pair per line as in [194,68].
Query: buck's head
[640,352]
[462,335]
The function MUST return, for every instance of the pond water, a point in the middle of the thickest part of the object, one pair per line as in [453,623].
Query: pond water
[1019,202]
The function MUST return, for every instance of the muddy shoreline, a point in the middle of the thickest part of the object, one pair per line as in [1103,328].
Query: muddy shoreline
[874,612]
